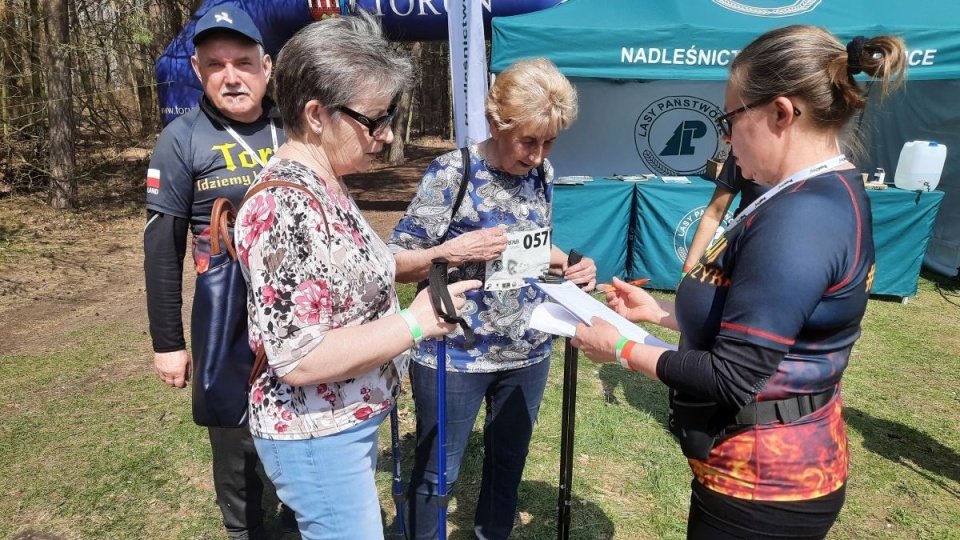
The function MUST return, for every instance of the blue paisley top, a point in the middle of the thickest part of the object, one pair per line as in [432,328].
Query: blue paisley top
[304,278]
[494,199]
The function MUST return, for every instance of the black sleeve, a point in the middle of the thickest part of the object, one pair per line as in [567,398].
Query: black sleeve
[164,248]
[732,373]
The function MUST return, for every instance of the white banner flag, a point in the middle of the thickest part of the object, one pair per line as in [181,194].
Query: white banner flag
[468,69]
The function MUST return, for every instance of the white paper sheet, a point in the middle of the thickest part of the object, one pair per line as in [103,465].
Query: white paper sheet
[573,305]
[554,319]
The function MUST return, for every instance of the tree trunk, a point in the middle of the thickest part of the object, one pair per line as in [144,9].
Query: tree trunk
[395,149]
[63,185]
[6,72]
[35,64]
[395,153]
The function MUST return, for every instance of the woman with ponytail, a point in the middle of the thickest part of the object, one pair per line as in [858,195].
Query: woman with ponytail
[770,314]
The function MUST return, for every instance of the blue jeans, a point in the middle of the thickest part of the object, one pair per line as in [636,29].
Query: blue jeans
[513,400]
[328,481]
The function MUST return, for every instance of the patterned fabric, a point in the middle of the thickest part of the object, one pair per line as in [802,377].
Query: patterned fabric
[494,199]
[775,462]
[303,283]
[793,277]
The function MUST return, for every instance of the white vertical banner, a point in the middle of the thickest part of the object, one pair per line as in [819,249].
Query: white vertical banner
[468,69]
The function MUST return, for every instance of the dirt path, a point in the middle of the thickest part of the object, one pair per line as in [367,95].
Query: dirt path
[63,271]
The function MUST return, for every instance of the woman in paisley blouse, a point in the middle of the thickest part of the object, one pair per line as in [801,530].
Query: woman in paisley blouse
[321,283]
[507,197]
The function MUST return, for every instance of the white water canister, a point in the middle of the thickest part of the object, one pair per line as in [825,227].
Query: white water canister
[920,165]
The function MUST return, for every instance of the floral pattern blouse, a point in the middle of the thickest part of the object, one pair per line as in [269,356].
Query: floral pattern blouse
[306,276]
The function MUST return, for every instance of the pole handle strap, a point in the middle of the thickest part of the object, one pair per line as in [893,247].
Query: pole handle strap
[442,301]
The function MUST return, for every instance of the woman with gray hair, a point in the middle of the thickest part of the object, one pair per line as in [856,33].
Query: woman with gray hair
[505,186]
[321,282]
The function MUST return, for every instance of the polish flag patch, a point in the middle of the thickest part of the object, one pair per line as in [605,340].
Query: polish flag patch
[153,180]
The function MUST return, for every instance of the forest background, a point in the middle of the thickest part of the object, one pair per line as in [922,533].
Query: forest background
[92,445]
[77,86]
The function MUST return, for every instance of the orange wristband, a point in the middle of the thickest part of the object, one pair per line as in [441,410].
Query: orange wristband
[623,354]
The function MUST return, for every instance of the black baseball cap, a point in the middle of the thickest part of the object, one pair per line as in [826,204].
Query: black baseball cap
[226,18]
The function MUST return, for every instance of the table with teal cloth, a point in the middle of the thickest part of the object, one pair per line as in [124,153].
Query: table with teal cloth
[642,229]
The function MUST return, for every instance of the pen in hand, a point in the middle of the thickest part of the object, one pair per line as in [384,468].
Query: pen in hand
[635,283]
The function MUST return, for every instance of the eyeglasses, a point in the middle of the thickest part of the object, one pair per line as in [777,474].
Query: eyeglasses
[725,122]
[376,126]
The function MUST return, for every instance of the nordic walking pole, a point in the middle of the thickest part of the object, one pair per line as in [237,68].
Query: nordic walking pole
[567,425]
[442,497]
[398,496]
[443,305]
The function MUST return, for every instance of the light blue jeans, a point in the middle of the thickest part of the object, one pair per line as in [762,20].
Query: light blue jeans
[328,481]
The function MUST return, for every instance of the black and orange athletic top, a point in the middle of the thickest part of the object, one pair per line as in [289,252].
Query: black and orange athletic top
[773,312]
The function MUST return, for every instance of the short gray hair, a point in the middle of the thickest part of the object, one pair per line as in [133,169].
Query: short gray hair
[334,61]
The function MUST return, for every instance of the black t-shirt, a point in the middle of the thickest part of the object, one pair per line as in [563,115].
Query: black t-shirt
[196,161]
[731,180]
[773,311]
[794,277]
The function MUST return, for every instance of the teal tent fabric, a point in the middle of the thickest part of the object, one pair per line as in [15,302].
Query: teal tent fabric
[667,215]
[596,221]
[625,45]
[902,221]
[696,39]
[643,230]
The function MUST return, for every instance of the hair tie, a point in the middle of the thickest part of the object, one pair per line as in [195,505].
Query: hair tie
[854,50]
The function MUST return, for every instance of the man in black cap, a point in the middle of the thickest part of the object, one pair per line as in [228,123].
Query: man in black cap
[215,150]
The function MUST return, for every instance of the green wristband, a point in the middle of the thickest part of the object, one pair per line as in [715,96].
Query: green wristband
[623,363]
[682,275]
[411,321]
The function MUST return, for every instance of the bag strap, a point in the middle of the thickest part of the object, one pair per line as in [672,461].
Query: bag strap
[464,171]
[464,180]
[221,217]
[260,362]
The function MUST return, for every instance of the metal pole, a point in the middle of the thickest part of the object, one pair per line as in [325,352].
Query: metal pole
[567,425]
[398,497]
[442,438]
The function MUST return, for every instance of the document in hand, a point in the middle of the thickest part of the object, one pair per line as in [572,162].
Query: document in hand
[572,305]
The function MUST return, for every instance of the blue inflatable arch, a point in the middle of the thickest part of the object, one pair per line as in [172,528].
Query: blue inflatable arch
[403,20]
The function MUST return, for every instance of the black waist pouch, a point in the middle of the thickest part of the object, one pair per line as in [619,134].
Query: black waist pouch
[699,425]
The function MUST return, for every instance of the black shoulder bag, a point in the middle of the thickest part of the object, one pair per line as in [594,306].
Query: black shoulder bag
[224,367]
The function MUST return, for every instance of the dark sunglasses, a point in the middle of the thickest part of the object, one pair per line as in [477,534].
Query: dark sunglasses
[375,126]
[725,122]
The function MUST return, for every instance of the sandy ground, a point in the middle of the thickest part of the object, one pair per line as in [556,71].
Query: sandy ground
[64,271]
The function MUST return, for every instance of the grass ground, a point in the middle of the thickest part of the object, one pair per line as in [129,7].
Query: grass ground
[91,446]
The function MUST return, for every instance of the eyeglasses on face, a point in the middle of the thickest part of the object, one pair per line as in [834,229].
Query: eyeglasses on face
[376,126]
[725,122]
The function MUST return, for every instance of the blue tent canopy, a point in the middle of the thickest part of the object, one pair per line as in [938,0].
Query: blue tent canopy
[697,39]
